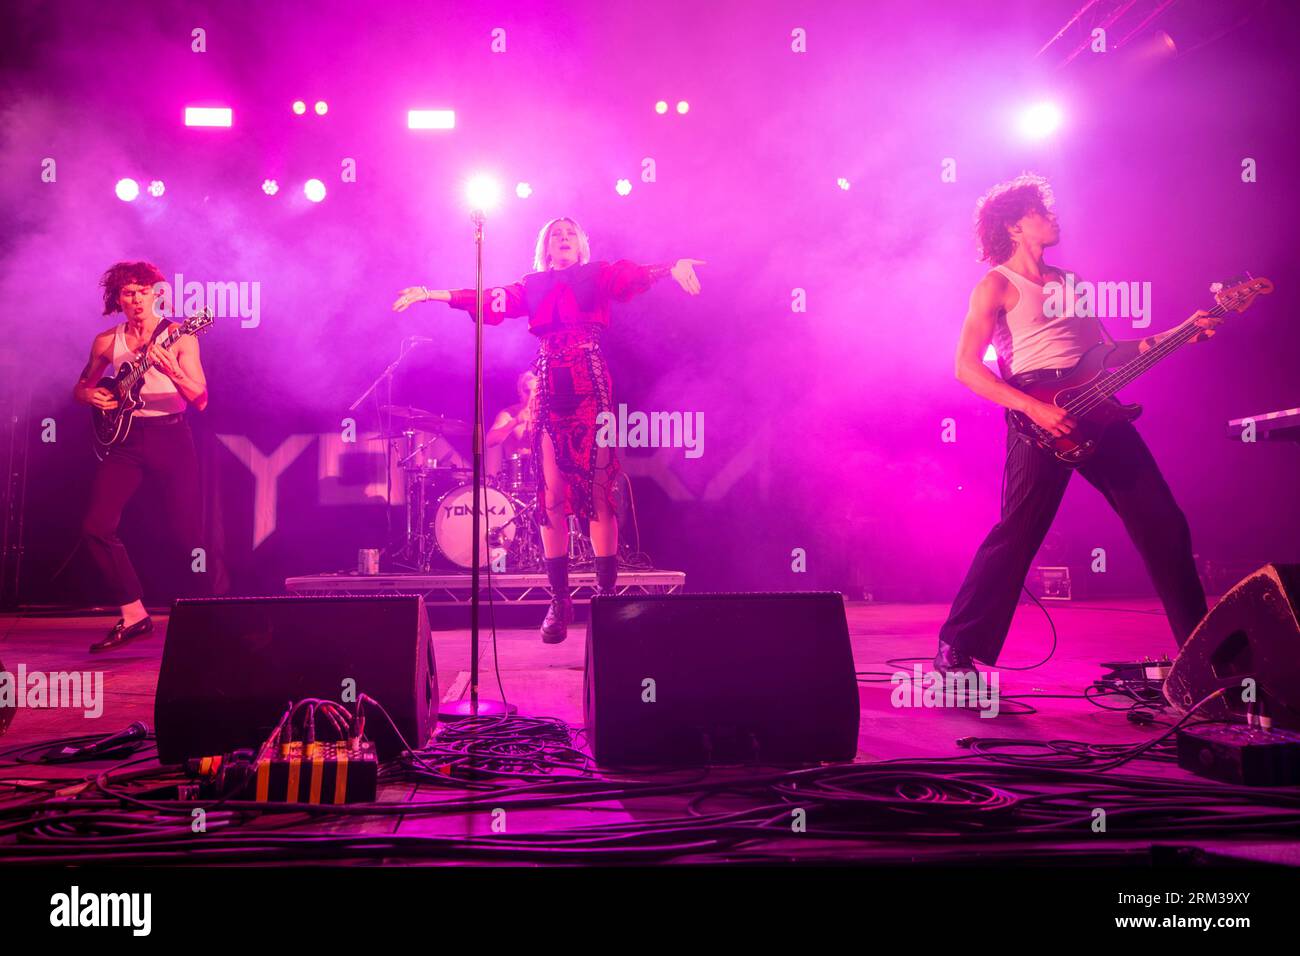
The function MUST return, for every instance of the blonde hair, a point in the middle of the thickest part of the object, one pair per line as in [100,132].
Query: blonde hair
[542,261]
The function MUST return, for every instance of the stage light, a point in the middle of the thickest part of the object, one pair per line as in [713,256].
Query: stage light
[1040,120]
[156,188]
[127,190]
[431,119]
[299,107]
[623,187]
[208,116]
[314,190]
[270,187]
[843,183]
[523,190]
[683,107]
[483,192]
[321,108]
[661,107]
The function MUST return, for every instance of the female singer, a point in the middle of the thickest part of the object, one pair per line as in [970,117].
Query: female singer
[567,303]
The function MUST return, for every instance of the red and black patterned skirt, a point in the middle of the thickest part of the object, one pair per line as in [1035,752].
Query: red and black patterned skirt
[573,387]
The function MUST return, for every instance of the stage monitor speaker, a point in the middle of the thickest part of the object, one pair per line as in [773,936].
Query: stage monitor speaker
[690,679]
[1251,633]
[230,665]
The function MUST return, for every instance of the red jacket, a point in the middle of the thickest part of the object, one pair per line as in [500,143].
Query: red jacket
[563,299]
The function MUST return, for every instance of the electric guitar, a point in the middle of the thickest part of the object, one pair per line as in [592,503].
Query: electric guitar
[1087,392]
[112,425]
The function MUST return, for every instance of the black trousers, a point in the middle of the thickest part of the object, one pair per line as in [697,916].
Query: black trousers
[162,452]
[1123,470]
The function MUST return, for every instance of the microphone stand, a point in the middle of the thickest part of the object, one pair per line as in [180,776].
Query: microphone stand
[385,428]
[475,707]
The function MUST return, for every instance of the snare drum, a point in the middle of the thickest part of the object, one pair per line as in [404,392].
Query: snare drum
[453,525]
[518,475]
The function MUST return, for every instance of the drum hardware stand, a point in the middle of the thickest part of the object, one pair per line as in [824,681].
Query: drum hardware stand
[386,379]
[580,548]
[476,707]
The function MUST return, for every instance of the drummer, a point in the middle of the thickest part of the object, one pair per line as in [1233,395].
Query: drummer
[511,432]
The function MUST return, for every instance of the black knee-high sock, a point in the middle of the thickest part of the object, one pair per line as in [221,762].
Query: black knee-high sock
[606,572]
[557,573]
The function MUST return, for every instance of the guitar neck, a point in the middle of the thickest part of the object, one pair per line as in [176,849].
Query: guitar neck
[144,363]
[1143,363]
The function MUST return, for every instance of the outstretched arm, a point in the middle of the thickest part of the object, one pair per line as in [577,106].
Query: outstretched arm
[498,303]
[624,279]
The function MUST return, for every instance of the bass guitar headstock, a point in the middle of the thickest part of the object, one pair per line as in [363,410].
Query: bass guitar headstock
[1237,294]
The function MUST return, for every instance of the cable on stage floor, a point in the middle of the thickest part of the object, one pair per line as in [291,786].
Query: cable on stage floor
[131,813]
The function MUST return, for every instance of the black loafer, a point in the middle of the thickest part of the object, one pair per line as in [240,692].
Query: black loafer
[121,634]
[949,660]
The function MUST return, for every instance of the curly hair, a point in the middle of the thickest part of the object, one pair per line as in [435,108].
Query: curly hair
[1002,207]
[122,274]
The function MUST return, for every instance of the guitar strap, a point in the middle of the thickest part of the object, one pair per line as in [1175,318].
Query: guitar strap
[159,329]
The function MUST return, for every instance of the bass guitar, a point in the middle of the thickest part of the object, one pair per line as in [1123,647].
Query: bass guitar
[1087,391]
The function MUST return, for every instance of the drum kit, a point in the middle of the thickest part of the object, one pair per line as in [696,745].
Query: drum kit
[439,495]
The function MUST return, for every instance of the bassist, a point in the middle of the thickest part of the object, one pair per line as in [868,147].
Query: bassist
[1015,225]
[158,446]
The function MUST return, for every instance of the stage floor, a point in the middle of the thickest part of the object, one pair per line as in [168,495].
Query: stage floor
[546,680]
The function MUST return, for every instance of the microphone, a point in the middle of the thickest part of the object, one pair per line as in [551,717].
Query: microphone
[128,740]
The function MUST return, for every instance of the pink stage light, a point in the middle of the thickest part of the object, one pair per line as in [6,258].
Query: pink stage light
[270,187]
[208,116]
[683,107]
[483,192]
[314,190]
[156,188]
[843,183]
[127,190]
[523,190]
[431,119]
[299,107]
[661,107]
[623,187]
[321,107]
[1040,120]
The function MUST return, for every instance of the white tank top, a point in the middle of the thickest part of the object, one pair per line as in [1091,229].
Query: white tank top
[159,392]
[1026,338]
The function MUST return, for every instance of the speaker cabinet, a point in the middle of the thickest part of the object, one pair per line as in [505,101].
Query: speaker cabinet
[231,665]
[690,679]
[1252,633]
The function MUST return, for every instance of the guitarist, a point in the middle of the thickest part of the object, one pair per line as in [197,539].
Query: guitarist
[158,446]
[1015,224]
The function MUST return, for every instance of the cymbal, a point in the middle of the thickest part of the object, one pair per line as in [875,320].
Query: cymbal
[405,411]
[417,419]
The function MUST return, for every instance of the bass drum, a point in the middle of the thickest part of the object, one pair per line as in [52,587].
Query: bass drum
[453,526]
